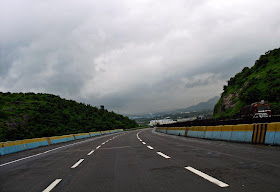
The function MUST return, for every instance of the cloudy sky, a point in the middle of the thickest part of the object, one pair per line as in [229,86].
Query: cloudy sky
[133,56]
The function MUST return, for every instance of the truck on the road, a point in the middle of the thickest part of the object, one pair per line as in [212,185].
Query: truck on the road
[256,110]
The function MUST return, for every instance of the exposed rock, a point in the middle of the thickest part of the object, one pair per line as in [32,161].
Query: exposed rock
[231,100]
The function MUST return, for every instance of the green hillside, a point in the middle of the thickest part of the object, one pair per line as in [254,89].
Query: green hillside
[260,82]
[30,115]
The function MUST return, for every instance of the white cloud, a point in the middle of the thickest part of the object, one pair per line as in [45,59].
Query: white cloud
[134,56]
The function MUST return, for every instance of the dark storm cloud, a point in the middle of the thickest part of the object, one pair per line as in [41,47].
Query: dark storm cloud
[132,56]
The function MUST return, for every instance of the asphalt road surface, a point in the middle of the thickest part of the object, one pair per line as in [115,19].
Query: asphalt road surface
[143,160]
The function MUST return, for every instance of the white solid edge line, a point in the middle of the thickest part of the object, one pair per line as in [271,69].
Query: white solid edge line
[40,153]
[137,135]
[150,147]
[52,185]
[163,155]
[77,164]
[90,152]
[207,177]
[144,143]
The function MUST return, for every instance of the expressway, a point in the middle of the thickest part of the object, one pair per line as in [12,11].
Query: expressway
[142,160]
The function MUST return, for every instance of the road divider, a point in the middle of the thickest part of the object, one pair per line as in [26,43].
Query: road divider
[81,135]
[93,134]
[105,132]
[261,133]
[15,146]
[61,139]
[272,136]
[21,145]
[176,131]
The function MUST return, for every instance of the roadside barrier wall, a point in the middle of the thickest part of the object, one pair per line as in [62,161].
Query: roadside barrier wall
[161,129]
[272,136]
[61,139]
[261,133]
[21,145]
[118,130]
[15,146]
[81,135]
[105,132]
[93,134]
[176,131]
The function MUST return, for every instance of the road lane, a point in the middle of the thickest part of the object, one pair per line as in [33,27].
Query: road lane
[244,167]
[125,164]
[121,162]
[35,174]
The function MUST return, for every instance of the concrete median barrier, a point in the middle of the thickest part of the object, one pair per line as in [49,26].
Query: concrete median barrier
[213,132]
[93,134]
[161,129]
[197,131]
[81,135]
[61,139]
[270,133]
[242,133]
[277,134]
[105,132]
[21,145]
[226,132]
[180,131]
[119,130]
[261,133]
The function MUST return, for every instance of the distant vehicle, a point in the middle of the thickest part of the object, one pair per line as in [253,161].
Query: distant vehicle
[256,110]
[200,117]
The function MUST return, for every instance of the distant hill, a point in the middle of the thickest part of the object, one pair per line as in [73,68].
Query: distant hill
[203,106]
[30,115]
[208,105]
[260,82]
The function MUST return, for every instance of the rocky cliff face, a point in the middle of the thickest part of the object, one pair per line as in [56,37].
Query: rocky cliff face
[260,82]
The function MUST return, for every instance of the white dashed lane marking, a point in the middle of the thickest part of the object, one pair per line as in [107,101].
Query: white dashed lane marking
[90,152]
[163,155]
[144,143]
[193,170]
[98,147]
[77,164]
[207,177]
[52,185]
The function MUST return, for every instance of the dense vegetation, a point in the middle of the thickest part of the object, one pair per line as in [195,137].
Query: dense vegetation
[30,115]
[260,82]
